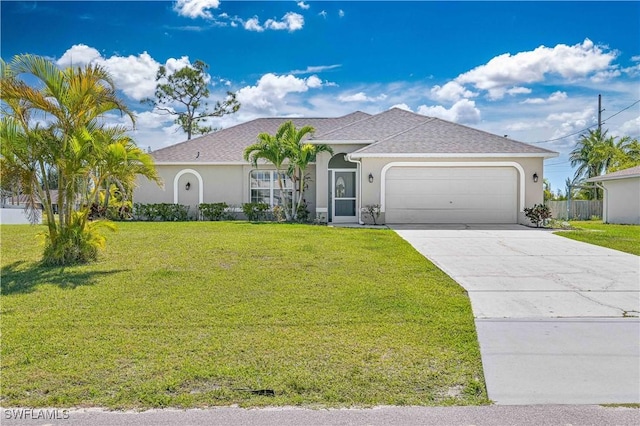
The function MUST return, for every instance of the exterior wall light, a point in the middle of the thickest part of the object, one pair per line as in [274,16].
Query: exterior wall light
[370,177]
[535,177]
[187,186]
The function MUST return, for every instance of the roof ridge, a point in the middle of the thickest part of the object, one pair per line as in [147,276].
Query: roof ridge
[428,120]
[368,117]
[489,133]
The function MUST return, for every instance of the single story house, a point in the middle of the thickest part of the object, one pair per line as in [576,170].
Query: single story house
[621,203]
[418,169]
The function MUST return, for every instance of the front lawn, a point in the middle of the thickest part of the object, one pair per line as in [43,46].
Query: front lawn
[201,314]
[618,237]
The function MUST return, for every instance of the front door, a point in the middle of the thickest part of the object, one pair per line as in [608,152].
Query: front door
[343,189]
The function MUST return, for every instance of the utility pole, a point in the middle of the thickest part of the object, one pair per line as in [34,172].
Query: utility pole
[600,114]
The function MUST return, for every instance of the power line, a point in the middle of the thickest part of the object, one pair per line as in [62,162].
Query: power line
[587,128]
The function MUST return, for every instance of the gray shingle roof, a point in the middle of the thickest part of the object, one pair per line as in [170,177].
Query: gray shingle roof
[376,127]
[436,136]
[620,174]
[392,132]
[227,145]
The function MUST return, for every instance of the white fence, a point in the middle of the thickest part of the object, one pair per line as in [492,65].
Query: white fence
[575,209]
[16,216]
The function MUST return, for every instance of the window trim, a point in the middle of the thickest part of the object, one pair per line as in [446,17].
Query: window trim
[273,185]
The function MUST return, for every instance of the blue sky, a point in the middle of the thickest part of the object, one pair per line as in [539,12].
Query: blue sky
[530,70]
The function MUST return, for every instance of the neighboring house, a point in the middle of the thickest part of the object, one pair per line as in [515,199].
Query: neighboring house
[621,202]
[418,169]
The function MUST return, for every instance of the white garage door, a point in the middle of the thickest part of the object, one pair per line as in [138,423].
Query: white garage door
[451,195]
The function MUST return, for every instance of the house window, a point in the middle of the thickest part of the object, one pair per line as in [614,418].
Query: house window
[265,187]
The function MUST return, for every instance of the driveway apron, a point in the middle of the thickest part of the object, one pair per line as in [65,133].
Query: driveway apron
[557,319]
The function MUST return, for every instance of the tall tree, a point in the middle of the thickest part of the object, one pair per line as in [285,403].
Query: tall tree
[184,94]
[271,149]
[300,155]
[287,146]
[596,154]
[57,126]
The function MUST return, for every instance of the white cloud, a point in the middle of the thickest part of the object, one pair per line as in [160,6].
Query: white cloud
[341,13]
[570,62]
[463,111]
[291,21]
[314,82]
[602,76]
[518,91]
[323,14]
[134,75]
[629,128]
[554,97]
[270,91]
[452,91]
[361,97]
[315,69]
[303,5]
[253,24]
[558,96]
[78,55]
[401,106]
[196,8]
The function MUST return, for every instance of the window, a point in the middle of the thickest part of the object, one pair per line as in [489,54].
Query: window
[265,188]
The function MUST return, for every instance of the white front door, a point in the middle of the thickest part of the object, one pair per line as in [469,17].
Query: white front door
[344,200]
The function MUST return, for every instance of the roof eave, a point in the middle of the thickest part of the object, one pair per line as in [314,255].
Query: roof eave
[340,142]
[604,178]
[455,155]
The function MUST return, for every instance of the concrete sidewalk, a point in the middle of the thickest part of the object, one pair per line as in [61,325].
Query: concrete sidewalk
[557,319]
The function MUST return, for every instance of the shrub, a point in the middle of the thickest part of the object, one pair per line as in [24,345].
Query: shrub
[303,215]
[538,214]
[255,211]
[373,210]
[214,211]
[77,243]
[164,212]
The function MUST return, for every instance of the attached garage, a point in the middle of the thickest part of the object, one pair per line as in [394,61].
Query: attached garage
[423,194]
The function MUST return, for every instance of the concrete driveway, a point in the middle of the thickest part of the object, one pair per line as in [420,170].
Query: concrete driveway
[557,319]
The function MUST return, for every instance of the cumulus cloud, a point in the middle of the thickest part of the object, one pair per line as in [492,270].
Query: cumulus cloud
[452,91]
[341,13]
[78,55]
[361,97]
[323,14]
[291,21]
[571,62]
[253,24]
[196,8]
[271,90]
[314,82]
[554,97]
[134,75]
[401,106]
[464,111]
[629,128]
[303,5]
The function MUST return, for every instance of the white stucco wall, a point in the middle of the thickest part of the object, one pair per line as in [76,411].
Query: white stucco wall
[622,201]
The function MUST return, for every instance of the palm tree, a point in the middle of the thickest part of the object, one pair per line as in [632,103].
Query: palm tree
[596,154]
[74,142]
[271,149]
[300,154]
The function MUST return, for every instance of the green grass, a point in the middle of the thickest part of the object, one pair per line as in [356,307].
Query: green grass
[193,314]
[618,237]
